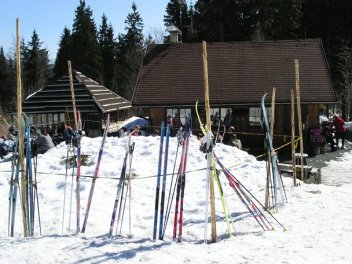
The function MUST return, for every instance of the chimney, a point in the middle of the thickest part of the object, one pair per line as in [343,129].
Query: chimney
[175,34]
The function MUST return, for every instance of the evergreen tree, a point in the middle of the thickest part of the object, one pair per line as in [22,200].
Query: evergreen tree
[178,15]
[35,65]
[63,54]
[7,84]
[130,53]
[86,55]
[277,19]
[108,50]
[222,20]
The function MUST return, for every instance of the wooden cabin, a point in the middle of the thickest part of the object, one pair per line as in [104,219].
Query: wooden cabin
[53,104]
[240,73]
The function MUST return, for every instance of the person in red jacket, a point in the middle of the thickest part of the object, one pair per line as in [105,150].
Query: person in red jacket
[340,128]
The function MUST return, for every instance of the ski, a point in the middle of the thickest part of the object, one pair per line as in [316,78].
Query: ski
[157,190]
[14,183]
[118,194]
[181,182]
[96,172]
[29,179]
[162,200]
[78,183]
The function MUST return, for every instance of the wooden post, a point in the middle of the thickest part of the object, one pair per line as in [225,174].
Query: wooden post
[272,121]
[299,116]
[293,144]
[207,112]
[72,93]
[20,134]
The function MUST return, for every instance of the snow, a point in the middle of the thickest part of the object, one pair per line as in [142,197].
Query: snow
[317,217]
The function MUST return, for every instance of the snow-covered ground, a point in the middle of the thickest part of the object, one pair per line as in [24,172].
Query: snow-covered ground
[317,217]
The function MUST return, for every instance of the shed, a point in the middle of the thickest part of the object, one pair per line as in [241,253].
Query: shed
[53,103]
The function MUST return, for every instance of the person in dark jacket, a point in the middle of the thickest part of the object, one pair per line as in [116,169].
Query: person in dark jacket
[339,124]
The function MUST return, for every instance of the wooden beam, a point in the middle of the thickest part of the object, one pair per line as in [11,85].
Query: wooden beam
[207,112]
[293,143]
[299,115]
[72,93]
[20,134]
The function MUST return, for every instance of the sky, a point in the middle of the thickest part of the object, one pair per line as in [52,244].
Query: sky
[49,18]
[317,217]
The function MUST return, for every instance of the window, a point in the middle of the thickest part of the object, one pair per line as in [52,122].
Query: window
[183,113]
[255,115]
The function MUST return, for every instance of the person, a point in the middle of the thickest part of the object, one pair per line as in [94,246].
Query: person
[340,130]
[123,132]
[12,134]
[215,120]
[135,131]
[176,121]
[43,143]
[228,120]
[235,142]
[228,135]
[169,120]
[327,132]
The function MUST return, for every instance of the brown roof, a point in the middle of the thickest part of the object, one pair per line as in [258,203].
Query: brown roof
[239,73]
[90,97]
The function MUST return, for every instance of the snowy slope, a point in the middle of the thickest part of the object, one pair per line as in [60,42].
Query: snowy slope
[317,217]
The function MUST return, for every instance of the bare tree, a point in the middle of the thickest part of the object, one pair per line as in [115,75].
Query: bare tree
[157,34]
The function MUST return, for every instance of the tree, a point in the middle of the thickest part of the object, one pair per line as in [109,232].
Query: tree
[130,53]
[177,14]
[344,81]
[108,52]
[86,55]
[7,84]
[63,54]
[222,20]
[35,65]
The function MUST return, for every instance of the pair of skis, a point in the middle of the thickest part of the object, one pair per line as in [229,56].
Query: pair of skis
[30,191]
[178,186]
[159,184]
[181,183]
[275,185]
[121,195]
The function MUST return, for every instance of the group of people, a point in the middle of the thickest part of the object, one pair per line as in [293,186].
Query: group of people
[333,132]
[41,139]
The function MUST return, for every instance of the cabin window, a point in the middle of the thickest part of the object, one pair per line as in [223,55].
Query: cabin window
[62,117]
[50,119]
[171,112]
[255,115]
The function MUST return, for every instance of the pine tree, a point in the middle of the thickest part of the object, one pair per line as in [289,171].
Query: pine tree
[35,65]
[85,51]
[63,54]
[7,84]
[222,20]
[130,53]
[276,19]
[108,52]
[178,15]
